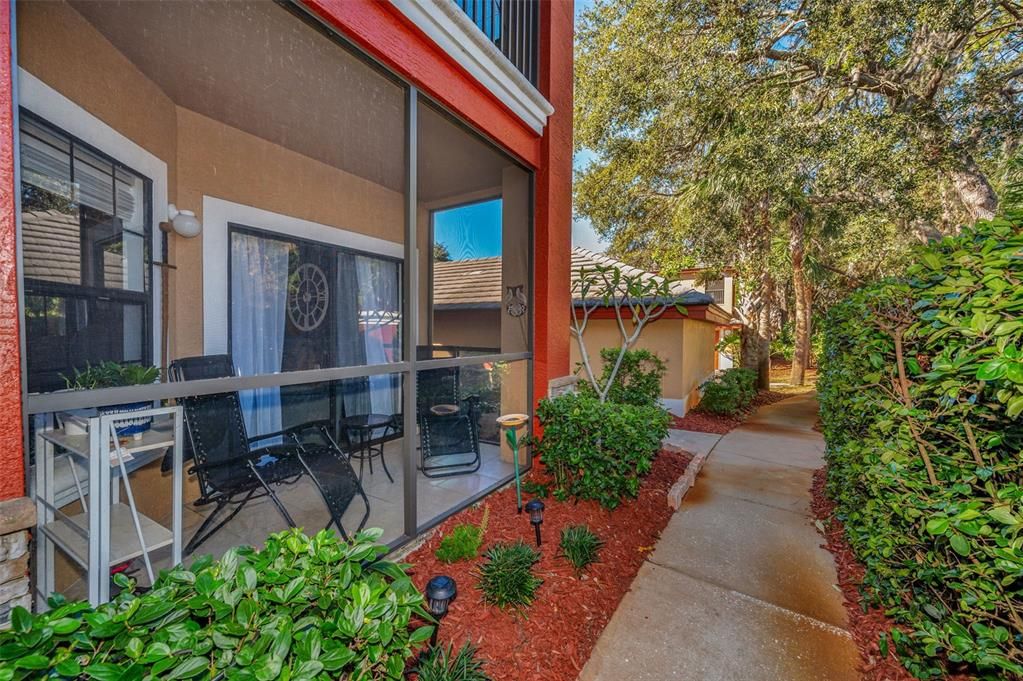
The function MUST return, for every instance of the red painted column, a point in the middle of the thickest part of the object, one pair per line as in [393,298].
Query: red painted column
[553,233]
[12,456]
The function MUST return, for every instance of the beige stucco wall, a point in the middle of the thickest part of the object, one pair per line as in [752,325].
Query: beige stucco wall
[685,345]
[475,328]
[62,49]
[698,343]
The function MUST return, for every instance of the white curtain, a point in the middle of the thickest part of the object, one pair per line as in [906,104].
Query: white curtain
[259,293]
[379,309]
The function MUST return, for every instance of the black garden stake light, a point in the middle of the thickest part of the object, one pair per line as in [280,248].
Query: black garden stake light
[440,591]
[535,510]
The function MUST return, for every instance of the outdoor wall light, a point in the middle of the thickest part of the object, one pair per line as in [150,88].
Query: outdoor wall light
[535,510]
[184,221]
[440,591]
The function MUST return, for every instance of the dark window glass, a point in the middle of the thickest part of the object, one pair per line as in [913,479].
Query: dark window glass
[716,290]
[86,255]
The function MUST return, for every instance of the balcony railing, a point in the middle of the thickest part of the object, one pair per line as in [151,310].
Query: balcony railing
[512,25]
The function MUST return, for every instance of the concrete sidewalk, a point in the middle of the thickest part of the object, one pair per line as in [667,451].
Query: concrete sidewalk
[738,587]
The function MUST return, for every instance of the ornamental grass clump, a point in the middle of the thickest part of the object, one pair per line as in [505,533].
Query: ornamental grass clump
[444,664]
[299,608]
[580,546]
[506,577]
[464,541]
[921,393]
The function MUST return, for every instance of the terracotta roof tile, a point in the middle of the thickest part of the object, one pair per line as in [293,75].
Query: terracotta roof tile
[477,283]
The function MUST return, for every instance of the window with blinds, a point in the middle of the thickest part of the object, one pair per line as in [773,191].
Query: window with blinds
[86,256]
[716,290]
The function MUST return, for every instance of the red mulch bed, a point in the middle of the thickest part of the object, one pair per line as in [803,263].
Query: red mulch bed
[553,639]
[866,627]
[705,422]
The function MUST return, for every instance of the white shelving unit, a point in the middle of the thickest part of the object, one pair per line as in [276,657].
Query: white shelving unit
[108,531]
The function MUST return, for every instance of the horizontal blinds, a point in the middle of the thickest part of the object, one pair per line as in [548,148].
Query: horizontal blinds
[51,163]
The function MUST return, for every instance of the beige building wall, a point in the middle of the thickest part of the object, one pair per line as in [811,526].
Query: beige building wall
[475,328]
[699,348]
[685,345]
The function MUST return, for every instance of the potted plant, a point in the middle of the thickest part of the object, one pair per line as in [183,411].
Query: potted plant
[114,375]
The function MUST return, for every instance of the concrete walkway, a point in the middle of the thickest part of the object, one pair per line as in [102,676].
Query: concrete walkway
[738,587]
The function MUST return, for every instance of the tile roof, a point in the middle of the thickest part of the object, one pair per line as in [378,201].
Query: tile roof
[475,284]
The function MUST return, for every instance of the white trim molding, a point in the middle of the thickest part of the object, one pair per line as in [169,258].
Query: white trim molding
[218,215]
[454,32]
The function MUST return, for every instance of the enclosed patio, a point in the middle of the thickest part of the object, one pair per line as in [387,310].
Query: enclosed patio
[230,195]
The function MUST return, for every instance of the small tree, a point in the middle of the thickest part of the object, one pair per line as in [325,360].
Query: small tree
[634,299]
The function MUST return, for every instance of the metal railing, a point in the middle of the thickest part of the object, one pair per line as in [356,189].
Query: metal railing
[512,25]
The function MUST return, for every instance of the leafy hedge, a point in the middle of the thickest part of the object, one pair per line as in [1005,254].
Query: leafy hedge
[729,392]
[598,450]
[301,608]
[921,392]
[638,381]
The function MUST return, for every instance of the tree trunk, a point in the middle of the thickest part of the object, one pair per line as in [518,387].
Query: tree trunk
[764,332]
[801,288]
[973,188]
[749,341]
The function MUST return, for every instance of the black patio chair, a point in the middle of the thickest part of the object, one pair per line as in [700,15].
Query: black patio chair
[233,469]
[449,436]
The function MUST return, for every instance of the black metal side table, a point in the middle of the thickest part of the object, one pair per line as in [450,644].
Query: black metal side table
[359,433]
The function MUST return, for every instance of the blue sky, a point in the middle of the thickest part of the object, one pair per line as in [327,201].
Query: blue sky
[474,231]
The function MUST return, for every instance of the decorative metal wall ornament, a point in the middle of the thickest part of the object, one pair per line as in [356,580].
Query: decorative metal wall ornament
[308,296]
[515,300]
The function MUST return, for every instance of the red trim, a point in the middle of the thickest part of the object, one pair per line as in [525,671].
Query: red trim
[383,31]
[553,234]
[12,455]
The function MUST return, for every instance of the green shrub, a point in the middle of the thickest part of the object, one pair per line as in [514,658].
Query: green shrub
[537,489]
[638,381]
[729,392]
[463,542]
[506,577]
[299,608]
[580,546]
[921,390]
[444,664]
[598,451]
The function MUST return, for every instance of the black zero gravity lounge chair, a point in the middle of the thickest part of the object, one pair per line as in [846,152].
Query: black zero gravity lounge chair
[449,438]
[232,468]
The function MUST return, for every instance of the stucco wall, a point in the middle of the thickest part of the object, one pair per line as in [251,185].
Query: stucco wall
[698,342]
[685,345]
[475,328]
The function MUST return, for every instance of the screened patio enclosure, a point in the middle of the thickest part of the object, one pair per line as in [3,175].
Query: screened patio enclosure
[324,189]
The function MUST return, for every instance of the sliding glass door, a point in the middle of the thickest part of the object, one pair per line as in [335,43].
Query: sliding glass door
[297,305]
